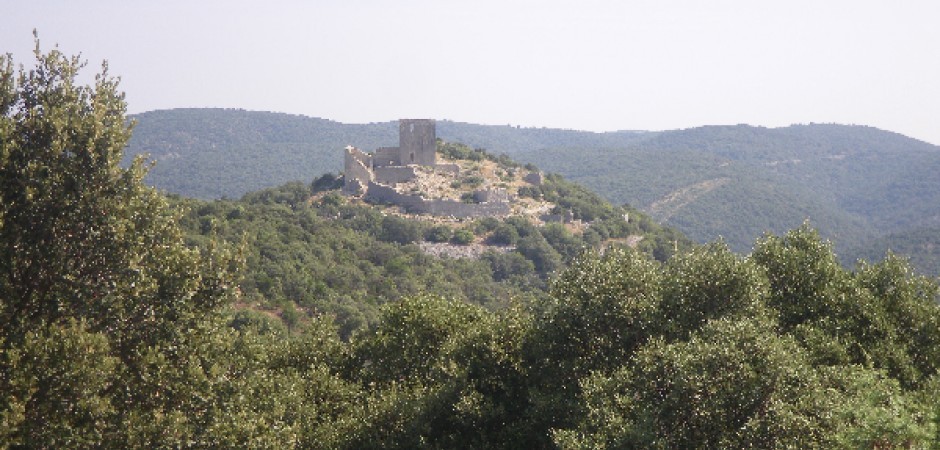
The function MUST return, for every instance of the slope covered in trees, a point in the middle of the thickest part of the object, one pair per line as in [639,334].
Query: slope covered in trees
[856,184]
[311,251]
[214,153]
[117,328]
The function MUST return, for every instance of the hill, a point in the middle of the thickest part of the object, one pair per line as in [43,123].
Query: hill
[856,184]
[214,153]
[311,251]
[123,320]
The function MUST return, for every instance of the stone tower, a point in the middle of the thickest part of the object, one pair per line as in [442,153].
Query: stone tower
[417,142]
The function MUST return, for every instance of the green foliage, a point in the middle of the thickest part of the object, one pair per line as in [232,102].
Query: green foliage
[245,320]
[399,230]
[81,237]
[738,385]
[451,150]
[485,225]
[343,260]
[582,203]
[602,310]
[100,300]
[471,181]
[863,187]
[504,234]
[468,197]
[413,340]
[326,182]
[860,186]
[708,283]
[509,265]
[294,195]
[536,249]
[115,329]
[882,316]
[530,192]
[462,236]
[56,388]
[563,241]
[440,233]
[921,245]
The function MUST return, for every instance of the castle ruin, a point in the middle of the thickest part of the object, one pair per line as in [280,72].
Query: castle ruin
[375,175]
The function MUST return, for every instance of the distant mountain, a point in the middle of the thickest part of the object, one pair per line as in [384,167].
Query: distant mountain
[921,245]
[214,153]
[858,185]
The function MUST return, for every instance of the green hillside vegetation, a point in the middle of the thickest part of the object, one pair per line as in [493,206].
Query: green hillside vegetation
[856,184]
[312,252]
[121,329]
[214,153]
[921,246]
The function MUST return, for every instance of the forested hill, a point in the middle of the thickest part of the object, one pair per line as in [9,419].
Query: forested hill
[124,321]
[214,153]
[858,185]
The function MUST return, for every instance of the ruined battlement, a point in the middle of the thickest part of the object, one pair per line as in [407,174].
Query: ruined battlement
[390,165]
[375,176]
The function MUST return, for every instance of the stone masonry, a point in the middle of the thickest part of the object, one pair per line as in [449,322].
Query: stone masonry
[374,176]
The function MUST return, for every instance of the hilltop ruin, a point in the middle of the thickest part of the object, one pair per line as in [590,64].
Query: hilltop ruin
[379,176]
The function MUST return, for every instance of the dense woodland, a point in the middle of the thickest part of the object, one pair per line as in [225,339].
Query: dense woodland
[859,186]
[122,319]
[324,255]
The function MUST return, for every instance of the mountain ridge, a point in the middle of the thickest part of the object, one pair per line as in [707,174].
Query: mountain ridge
[855,183]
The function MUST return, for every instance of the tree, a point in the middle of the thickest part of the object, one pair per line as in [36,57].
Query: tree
[56,388]
[706,283]
[536,249]
[397,229]
[462,236]
[414,339]
[504,234]
[882,316]
[93,258]
[736,384]
[602,309]
[439,233]
[81,236]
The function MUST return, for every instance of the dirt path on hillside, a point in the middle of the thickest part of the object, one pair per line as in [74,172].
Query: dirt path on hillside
[666,207]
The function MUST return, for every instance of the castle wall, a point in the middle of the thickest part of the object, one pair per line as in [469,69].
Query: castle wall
[417,142]
[464,210]
[387,156]
[395,175]
[415,204]
[376,174]
[357,170]
[491,195]
[380,193]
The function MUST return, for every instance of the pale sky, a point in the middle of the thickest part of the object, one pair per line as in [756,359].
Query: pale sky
[597,65]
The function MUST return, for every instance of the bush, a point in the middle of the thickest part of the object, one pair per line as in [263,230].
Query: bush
[462,236]
[326,182]
[485,225]
[402,231]
[504,234]
[468,197]
[440,233]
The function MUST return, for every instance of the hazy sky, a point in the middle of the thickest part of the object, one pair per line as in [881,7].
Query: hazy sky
[592,65]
